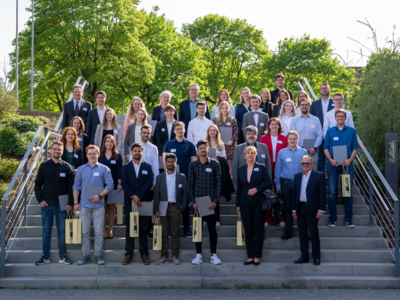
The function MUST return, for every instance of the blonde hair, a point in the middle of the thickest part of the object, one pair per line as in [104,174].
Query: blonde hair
[250,148]
[268,92]
[217,137]
[93,147]
[144,118]
[114,120]
[219,114]
[293,132]
[241,97]
[283,108]
[219,97]
[131,111]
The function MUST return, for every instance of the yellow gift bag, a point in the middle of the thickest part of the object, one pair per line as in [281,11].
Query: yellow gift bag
[120,214]
[346,186]
[73,228]
[197,227]
[157,235]
[134,222]
[240,241]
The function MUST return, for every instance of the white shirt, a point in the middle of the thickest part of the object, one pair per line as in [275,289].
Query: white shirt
[220,153]
[274,141]
[171,182]
[169,128]
[285,120]
[79,103]
[138,138]
[304,182]
[101,113]
[197,129]
[137,167]
[298,111]
[150,156]
[329,120]
[325,106]
[256,116]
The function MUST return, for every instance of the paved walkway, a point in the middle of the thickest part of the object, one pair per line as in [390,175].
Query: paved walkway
[93,294]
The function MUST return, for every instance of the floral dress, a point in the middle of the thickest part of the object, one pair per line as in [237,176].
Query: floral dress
[230,150]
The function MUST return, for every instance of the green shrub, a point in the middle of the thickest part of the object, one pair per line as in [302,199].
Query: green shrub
[23,143]
[26,123]
[7,101]
[8,167]
[3,189]
[8,139]
[43,119]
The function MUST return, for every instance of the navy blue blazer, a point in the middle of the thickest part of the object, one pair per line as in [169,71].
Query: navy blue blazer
[259,180]
[69,112]
[133,185]
[91,126]
[240,110]
[184,113]
[316,192]
[316,109]
[78,157]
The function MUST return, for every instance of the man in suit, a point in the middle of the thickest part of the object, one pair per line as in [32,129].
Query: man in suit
[137,181]
[262,153]
[164,131]
[256,117]
[96,116]
[171,187]
[309,196]
[187,108]
[76,107]
[280,82]
[319,108]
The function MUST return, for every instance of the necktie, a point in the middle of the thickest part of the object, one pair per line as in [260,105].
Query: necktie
[76,109]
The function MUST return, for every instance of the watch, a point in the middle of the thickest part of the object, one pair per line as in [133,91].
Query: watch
[100,197]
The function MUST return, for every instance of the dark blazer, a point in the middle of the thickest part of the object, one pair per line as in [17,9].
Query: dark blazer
[86,143]
[133,185]
[240,110]
[316,192]
[78,158]
[267,108]
[69,112]
[161,135]
[316,109]
[91,126]
[276,111]
[275,94]
[259,180]
[184,113]
[156,114]
[161,191]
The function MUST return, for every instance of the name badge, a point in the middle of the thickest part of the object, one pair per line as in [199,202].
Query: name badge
[333,104]
[261,124]
[79,139]
[173,150]
[256,169]
[96,174]
[335,138]
[228,123]
[113,162]
[162,129]
[312,126]
[62,174]
[144,172]
[85,109]
[263,155]
[180,185]
[131,121]
[279,142]
[288,159]
[115,131]
[208,170]
[260,109]
[76,155]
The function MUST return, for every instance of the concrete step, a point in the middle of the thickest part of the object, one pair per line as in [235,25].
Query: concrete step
[358,220]
[207,269]
[29,243]
[230,231]
[226,255]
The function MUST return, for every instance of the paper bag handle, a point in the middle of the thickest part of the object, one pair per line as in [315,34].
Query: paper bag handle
[345,171]
[197,213]
[134,208]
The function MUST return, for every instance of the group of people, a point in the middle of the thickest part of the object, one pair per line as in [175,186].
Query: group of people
[172,163]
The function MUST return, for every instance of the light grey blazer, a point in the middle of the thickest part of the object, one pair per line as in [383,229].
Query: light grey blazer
[262,125]
[239,160]
[129,138]
[117,133]
[161,191]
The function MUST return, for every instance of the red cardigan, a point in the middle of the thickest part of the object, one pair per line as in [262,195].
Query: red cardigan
[266,139]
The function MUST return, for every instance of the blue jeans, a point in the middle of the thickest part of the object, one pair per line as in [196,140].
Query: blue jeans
[287,191]
[321,157]
[333,177]
[48,213]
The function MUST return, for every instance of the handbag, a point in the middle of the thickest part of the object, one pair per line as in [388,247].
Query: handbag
[240,240]
[134,222]
[346,183]
[197,227]
[269,199]
[157,235]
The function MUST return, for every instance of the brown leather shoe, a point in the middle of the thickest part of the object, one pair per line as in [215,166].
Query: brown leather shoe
[145,260]
[127,260]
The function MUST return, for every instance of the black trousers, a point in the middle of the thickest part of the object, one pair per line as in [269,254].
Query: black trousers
[186,219]
[144,223]
[212,230]
[308,222]
[217,212]
[253,218]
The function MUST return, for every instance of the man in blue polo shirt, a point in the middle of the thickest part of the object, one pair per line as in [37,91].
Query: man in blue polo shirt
[288,164]
[185,151]
[340,135]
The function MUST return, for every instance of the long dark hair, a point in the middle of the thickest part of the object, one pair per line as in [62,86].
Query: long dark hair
[114,149]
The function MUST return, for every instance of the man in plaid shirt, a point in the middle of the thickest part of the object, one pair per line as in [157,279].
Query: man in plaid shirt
[205,180]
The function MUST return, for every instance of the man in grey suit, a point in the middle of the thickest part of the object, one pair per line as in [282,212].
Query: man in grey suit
[256,117]
[170,187]
[76,107]
[250,133]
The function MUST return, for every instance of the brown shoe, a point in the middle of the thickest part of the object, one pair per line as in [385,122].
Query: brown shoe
[176,260]
[127,260]
[162,260]
[145,260]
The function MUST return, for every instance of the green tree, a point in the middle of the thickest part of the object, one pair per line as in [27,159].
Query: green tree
[233,51]
[98,40]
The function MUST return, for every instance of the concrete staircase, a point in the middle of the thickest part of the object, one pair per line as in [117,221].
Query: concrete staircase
[351,258]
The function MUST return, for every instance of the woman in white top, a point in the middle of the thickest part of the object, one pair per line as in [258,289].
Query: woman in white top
[223,96]
[301,96]
[286,115]
[133,131]
[109,126]
[214,140]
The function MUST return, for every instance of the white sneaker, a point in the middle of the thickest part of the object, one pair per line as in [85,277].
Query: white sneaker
[198,260]
[281,224]
[204,224]
[215,260]
[218,224]
[266,225]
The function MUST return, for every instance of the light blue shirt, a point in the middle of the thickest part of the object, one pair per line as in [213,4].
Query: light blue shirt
[193,108]
[99,175]
[215,111]
[288,164]
[308,128]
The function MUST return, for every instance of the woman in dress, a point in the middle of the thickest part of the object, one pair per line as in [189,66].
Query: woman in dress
[223,96]
[110,157]
[224,119]
[158,111]
[282,97]
[79,126]
[286,115]
[72,153]
[109,126]
[266,105]
[242,108]
[133,131]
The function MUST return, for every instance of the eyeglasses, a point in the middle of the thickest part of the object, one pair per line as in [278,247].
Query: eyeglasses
[202,148]
[91,154]
[146,133]
[55,149]
[306,164]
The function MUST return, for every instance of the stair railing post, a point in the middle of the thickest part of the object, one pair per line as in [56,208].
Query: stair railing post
[396,237]
[3,238]
[370,197]
[46,150]
[25,194]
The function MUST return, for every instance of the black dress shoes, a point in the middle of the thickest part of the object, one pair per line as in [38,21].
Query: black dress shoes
[317,262]
[256,263]
[286,236]
[302,260]
[246,263]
